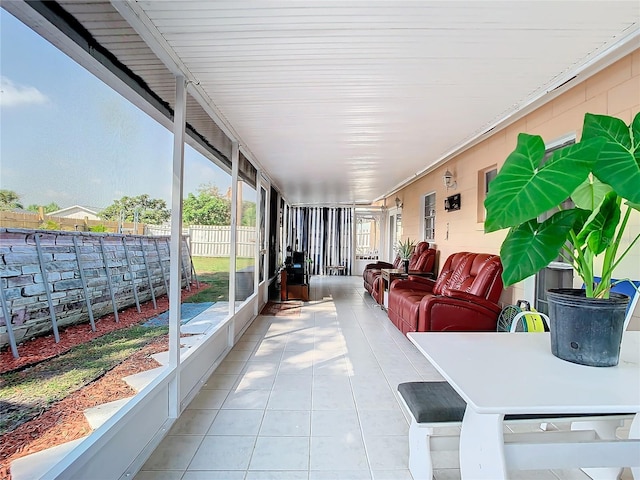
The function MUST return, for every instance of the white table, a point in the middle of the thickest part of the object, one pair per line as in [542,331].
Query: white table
[500,373]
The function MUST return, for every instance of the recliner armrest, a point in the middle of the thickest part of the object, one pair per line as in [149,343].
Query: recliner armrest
[470,297]
[413,283]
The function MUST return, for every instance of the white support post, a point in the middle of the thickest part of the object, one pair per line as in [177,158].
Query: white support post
[267,236]
[235,160]
[175,276]
[258,244]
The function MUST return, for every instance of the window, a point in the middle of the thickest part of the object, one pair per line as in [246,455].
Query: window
[488,176]
[367,236]
[485,177]
[246,240]
[430,217]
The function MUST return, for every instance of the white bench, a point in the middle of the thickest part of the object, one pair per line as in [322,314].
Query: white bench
[437,404]
[335,269]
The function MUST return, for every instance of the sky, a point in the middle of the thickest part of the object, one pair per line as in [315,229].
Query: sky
[66,137]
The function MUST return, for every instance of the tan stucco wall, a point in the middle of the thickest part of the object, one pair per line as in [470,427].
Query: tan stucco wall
[614,91]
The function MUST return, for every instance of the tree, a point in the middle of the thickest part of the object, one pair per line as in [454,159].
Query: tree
[209,207]
[149,210]
[248,214]
[9,200]
[52,207]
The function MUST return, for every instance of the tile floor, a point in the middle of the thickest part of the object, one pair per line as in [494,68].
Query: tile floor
[309,397]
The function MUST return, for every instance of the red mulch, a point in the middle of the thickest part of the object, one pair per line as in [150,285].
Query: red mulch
[65,421]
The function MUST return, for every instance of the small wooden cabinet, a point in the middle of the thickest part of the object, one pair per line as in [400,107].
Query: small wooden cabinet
[289,291]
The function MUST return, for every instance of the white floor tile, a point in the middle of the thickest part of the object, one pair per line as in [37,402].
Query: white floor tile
[208,399]
[193,422]
[247,399]
[280,453]
[339,475]
[230,367]
[296,382]
[383,422]
[338,453]
[238,355]
[163,475]
[237,422]
[174,453]
[403,474]
[277,475]
[223,453]
[327,399]
[387,453]
[255,381]
[334,423]
[290,400]
[286,423]
[213,475]
[220,381]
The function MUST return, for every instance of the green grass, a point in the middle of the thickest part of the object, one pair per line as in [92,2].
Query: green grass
[215,272]
[26,393]
[204,265]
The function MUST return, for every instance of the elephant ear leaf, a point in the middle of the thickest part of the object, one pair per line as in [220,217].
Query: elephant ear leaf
[531,246]
[590,194]
[618,162]
[600,228]
[528,186]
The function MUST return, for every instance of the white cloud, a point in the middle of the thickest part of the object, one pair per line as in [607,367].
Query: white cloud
[12,94]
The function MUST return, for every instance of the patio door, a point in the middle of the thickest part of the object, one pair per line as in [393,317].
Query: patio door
[368,237]
[395,232]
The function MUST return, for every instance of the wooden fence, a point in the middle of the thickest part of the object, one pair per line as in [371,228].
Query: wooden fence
[213,240]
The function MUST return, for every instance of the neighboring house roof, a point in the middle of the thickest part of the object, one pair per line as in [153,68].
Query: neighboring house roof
[74,211]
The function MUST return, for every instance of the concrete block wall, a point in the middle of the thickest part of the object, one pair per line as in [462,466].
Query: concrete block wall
[26,276]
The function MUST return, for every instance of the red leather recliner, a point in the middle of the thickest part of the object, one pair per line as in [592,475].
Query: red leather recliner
[372,273]
[423,260]
[464,297]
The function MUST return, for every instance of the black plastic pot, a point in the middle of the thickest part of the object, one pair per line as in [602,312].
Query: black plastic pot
[587,331]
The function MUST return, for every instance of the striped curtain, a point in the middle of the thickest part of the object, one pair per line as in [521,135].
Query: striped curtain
[325,234]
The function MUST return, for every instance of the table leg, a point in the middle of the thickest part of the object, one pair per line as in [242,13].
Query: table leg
[634,432]
[482,447]
[606,430]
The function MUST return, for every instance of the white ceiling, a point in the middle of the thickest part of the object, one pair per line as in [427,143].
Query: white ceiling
[344,101]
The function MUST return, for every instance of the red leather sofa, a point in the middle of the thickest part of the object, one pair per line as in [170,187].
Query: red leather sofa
[423,260]
[464,297]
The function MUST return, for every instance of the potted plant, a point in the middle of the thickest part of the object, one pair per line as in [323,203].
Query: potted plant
[405,250]
[601,175]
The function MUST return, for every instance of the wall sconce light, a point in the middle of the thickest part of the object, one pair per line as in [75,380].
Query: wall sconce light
[448,180]
[398,202]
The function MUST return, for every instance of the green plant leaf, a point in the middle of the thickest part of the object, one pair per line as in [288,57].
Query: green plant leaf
[590,193]
[612,129]
[618,161]
[529,187]
[531,246]
[600,228]
[405,250]
[635,206]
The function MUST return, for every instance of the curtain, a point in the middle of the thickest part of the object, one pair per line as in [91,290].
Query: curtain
[325,234]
